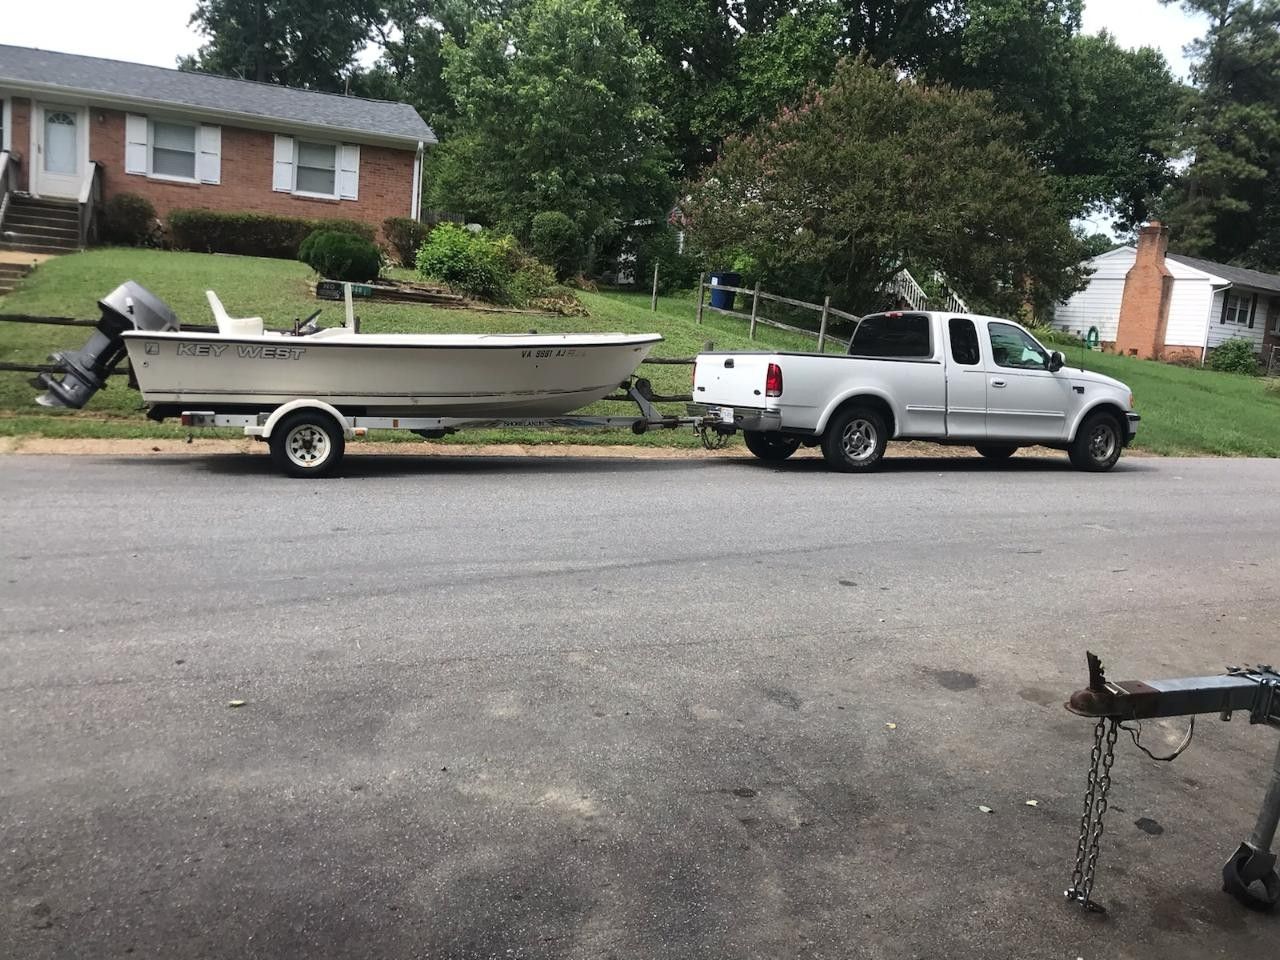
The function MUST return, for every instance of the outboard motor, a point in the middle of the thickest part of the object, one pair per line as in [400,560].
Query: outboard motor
[84,372]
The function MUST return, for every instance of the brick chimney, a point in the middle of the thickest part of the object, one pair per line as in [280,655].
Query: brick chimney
[1148,287]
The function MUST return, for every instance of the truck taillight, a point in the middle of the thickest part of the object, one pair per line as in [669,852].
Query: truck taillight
[773,381]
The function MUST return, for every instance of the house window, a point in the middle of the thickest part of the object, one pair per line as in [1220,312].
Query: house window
[317,169]
[173,150]
[1237,309]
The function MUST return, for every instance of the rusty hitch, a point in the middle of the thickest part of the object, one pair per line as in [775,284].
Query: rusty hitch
[1250,874]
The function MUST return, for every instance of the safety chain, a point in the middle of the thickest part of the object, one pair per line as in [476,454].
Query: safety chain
[1095,806]
[711,438]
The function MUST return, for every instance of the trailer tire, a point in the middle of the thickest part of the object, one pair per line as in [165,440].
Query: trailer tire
[307,443]
[772,447]
[855,440]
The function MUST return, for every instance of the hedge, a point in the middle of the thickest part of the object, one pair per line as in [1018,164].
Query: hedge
[128,219]
[406,236]
[252,234]
[336,255]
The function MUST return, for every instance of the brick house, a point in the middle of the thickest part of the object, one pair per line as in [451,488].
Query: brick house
[1147,302]
[76,125]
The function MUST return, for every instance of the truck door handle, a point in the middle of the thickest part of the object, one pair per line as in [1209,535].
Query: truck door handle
[998,383]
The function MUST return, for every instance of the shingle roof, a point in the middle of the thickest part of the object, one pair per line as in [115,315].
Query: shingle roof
[1237,276]
[206,92]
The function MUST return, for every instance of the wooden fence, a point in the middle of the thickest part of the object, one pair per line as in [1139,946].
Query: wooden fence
[824,310]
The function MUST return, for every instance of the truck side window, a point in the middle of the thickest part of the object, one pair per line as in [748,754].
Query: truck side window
[1011,347]
[903,335]
[964,341]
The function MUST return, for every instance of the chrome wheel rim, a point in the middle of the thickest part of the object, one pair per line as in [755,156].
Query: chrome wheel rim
[307,446]
[1102,443]
[858,441]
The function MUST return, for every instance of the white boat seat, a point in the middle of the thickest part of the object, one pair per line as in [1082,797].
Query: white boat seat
[230,326]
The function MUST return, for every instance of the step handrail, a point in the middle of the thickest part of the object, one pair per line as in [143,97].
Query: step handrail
[90,199]
[7,163]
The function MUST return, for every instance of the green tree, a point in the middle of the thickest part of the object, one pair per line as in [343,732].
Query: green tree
[1227,205]
[837,194]
[552,115]
[300,43]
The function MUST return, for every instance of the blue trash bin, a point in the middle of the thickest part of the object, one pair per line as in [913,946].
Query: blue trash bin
[723,299]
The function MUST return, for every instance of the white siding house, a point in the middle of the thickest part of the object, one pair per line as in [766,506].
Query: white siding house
[1208,303]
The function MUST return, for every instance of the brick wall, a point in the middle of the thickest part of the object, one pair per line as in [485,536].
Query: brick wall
[386,177]
[1148,290]
[20,138]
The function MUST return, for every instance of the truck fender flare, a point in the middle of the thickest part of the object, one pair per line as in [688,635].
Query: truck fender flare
[1100,404]
[857,394]
[285,409]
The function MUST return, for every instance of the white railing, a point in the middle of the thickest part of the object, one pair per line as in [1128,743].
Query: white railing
[904,285]
[90,199]
[7,163]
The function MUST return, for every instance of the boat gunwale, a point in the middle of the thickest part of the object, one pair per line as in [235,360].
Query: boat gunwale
[542,341]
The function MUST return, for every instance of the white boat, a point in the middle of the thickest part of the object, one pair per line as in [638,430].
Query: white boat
[244,367]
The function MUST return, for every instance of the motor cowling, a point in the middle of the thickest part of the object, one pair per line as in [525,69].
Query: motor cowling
[84,372]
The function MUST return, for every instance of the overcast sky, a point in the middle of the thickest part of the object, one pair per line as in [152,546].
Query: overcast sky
[156,31]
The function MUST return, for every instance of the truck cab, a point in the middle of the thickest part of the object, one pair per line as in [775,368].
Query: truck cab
[950,378]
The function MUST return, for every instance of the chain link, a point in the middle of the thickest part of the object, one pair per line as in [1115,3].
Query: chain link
[1095,807]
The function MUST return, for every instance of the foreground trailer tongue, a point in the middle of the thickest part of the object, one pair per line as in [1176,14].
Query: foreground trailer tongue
[84,372]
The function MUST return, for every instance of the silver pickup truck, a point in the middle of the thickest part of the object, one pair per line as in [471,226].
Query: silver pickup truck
[950,378]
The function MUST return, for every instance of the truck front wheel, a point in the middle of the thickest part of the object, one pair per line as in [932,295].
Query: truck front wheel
[771,447]
[855,439]
[1097,444]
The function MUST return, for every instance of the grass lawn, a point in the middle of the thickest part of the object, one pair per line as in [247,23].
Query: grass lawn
[1184,411]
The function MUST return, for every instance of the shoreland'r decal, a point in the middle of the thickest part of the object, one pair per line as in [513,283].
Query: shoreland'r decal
[255,351]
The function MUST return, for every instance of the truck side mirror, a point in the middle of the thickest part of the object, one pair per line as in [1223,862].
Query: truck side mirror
[1056,360]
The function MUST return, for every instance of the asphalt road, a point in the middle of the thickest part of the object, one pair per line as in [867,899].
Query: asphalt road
[588,709]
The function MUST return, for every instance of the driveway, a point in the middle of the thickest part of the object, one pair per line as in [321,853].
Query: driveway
[541,708]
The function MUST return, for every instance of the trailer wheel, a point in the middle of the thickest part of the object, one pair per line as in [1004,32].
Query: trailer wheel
[854,440]
[307,443]
[771,447]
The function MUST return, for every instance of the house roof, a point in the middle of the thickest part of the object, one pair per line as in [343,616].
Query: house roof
[1236,276]
[115,81]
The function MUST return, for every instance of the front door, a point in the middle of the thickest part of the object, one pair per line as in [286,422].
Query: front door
[60,133]
[1024,400]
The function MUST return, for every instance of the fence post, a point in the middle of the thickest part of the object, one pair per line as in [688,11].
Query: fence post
[702,278]
[822,327]
[654,305]
[755,304]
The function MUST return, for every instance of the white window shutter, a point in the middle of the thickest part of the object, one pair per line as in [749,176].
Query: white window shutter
[135,143]
[282,175]
[349,171]
[209,155]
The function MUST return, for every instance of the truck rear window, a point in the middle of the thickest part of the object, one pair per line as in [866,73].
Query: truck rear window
[892,335]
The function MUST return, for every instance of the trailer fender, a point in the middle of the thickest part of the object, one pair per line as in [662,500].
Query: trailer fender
[284,410]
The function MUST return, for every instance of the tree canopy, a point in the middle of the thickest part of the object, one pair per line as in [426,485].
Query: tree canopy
[878,171]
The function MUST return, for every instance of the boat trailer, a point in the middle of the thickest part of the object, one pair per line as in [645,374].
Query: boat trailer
[1250,874]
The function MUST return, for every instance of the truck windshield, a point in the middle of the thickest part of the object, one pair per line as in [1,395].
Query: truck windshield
[903,335]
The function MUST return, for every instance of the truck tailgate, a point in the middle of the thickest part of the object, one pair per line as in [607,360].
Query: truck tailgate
[731,379]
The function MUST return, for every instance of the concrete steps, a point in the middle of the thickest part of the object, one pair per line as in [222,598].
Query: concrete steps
[41,226]
[11,275]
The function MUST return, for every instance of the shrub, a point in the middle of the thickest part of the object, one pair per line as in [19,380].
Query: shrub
[252,234]
[472,263]
[554,239]
[406,236]
[128,219]
[1234,356]
[676,271]
[532,281]
[341,256]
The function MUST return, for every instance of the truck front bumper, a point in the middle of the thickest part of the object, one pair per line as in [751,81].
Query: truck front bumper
[1131,427]
[728,419]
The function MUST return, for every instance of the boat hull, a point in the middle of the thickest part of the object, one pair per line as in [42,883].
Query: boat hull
[462,376]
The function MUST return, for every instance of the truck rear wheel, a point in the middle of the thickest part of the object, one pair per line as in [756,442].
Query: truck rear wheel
[307,443]
[1097,443]
[996,451]
[772,446]
[855,439]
